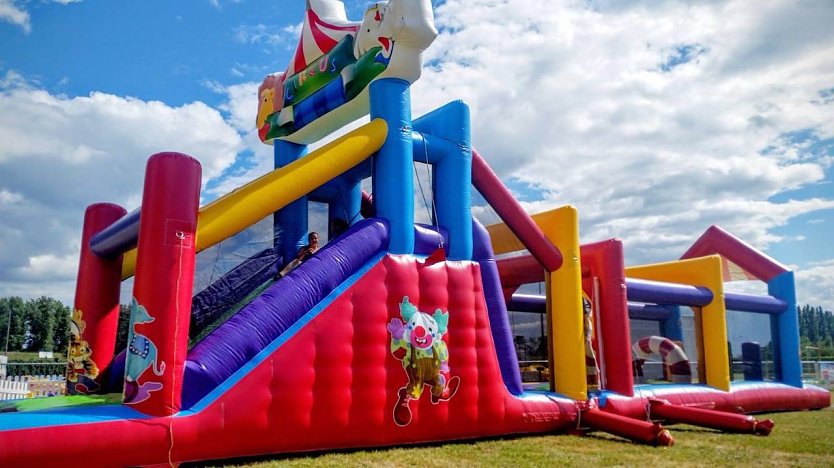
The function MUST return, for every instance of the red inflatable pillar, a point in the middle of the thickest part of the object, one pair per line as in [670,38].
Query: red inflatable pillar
[95,316]
[161,305]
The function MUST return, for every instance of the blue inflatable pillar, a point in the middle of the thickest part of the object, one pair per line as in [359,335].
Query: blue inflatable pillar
[290,222]
[785,331]
[393,182]
[445,142]
[346,202]
[672,326]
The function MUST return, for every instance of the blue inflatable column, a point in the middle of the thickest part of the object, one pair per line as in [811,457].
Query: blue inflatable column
[393,182]
[672,326]
[452,182]
[347,204]
[447,129]
[290,222]
[785,331]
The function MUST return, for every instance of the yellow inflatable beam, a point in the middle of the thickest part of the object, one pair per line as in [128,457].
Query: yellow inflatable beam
[504,241]
[564,297]
[236,211]
[705,272]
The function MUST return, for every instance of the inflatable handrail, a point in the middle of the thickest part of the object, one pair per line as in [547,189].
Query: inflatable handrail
[511,212]
[245,206]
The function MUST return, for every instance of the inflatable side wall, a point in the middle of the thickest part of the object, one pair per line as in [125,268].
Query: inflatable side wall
[335,379]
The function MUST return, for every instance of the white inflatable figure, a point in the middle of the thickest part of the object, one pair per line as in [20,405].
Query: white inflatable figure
[404,29]
[292,111]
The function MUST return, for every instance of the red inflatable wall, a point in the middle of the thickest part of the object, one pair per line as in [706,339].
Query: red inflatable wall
[334,384]
[95,315]
[604,260]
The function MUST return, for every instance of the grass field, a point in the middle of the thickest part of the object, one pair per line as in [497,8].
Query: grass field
[799,439]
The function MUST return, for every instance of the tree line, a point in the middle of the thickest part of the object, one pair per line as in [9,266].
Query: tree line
[816,330]
[33,325]
[42,324]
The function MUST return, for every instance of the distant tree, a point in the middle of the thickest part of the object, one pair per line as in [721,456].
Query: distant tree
[42,323]
[35,325]
[61,333]
[816,329]
[13,323]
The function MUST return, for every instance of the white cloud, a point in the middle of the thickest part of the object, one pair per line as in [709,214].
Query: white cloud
[10,198]
[62,153]
[240,109]
[268,34]
[815,285]
[656,119]
[50,266]
[11,13]
[16,14]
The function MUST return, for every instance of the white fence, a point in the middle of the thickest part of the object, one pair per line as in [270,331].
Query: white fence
[17,388]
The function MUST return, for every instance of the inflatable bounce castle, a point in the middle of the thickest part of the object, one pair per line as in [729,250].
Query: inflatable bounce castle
[393,333]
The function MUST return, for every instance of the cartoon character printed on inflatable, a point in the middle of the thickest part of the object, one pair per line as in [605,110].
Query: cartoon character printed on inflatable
[419,344]
[334,63]
[142,354]
[81,369]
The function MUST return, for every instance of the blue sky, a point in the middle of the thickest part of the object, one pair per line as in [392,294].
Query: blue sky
[154,50]
[656,119]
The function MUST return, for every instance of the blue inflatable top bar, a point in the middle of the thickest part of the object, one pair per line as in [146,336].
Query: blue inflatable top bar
[117,238]
[743,302]
[657,292]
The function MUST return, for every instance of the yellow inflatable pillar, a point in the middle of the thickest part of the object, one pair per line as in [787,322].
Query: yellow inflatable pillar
[564,304]
[705,272]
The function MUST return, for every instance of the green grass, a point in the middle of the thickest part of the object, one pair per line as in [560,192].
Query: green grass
[63,401]
[799,439]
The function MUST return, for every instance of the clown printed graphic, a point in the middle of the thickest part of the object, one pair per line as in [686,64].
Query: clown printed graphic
[418,343]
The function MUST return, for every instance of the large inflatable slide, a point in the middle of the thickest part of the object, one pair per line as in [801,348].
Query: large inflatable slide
[393,333]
